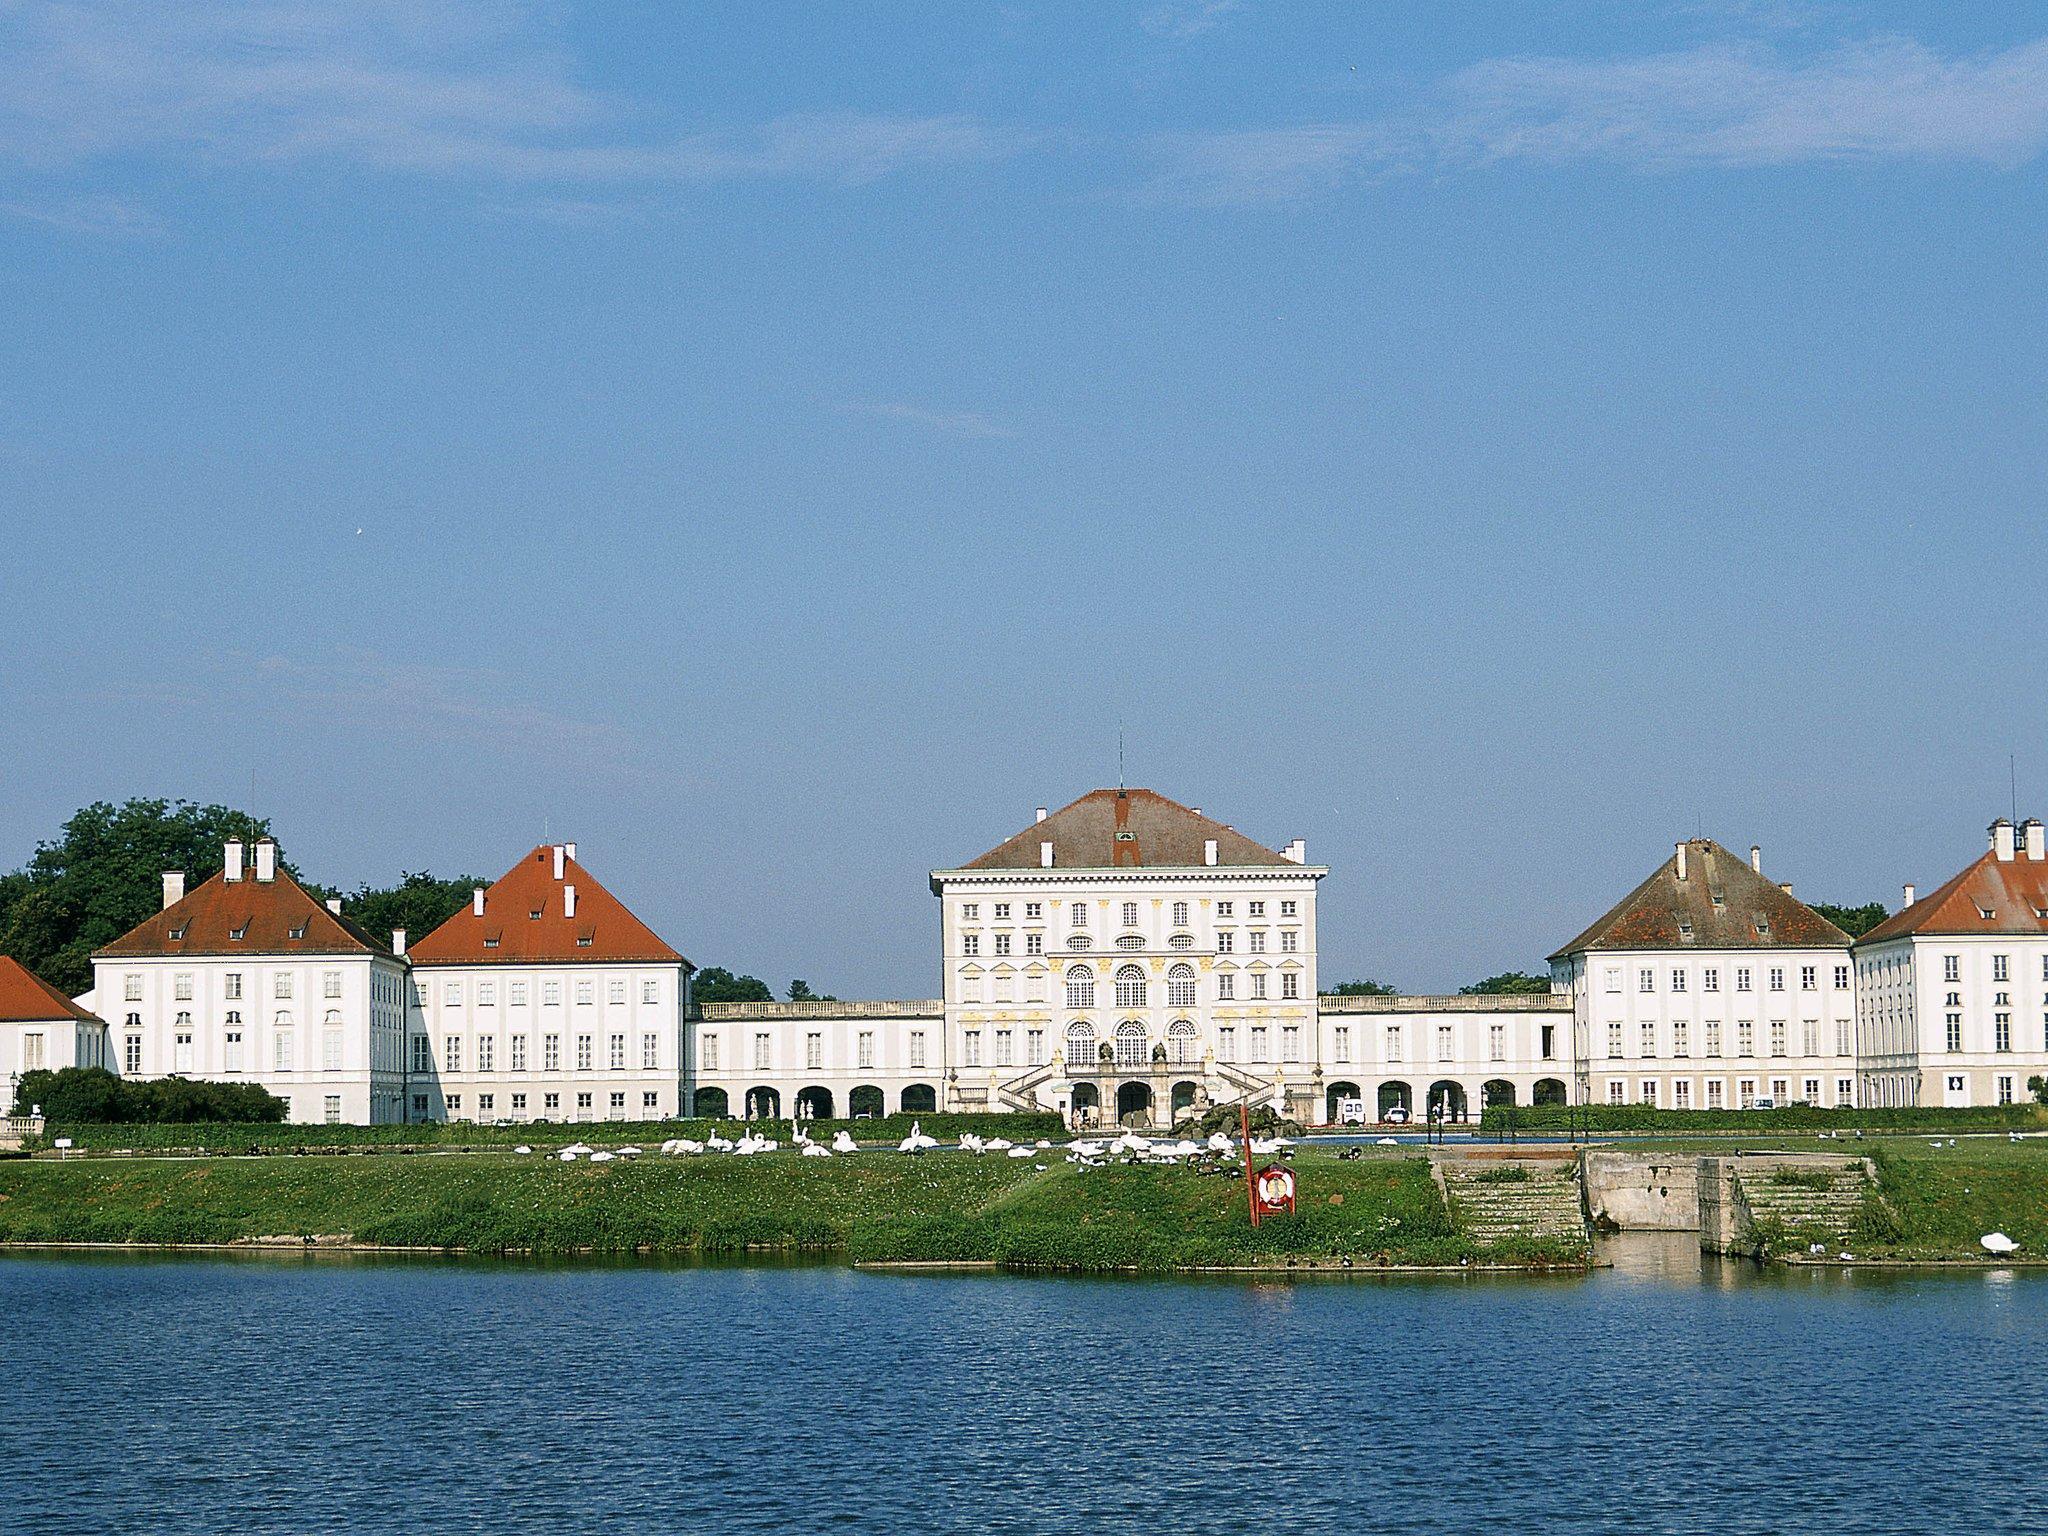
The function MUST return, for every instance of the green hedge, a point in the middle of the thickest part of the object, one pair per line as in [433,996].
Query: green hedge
[257,1137]
[1642,1118]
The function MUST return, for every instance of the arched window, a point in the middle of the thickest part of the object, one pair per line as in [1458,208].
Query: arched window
[334,1016]
[184,1021]
[1130,987]
[1180,1042]
[1130,1044]
[1078,941]
[1080,987]
[1080,1044]
[1180,987]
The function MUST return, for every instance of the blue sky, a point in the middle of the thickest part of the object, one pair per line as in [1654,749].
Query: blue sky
[776,446]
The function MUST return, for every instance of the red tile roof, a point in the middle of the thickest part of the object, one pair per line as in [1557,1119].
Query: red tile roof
[25,998]
[603,931]
[1665,912]
[1117,828]
[267,913]
[2014,891]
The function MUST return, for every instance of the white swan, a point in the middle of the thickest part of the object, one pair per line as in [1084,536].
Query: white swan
[1218,1142]
[812,1149]
[995,1144]
[522,1151]
[1997,1242]
[1023,1152]
[969,1142]
[567,1154]
[718,1143]
[600,1157]
[843,1142]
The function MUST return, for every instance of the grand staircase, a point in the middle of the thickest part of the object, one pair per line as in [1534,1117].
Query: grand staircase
[1815,1202]
[1494,1206]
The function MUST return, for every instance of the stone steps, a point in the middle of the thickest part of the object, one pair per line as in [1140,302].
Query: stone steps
[1826,1212]
[1546,1205]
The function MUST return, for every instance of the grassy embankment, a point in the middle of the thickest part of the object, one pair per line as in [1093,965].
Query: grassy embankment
[241,1137]
[1643,1121]
[1933,1203]
[878,1207]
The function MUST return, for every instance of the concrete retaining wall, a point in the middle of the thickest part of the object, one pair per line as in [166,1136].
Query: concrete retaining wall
[1643,1191]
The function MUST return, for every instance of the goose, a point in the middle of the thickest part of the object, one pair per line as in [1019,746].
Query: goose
[1996,1242]
[844,1142]
[812,1149]
[717,1143]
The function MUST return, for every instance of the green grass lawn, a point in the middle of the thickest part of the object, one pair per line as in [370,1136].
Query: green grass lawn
[882,1207]
[1939,1201]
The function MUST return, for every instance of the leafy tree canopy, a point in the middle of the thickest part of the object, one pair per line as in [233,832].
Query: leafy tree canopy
[800,992]
[1854,921]
[419,904]
[715,984]
[1363,989]
[104,875]
[95,1096]
[1507,983]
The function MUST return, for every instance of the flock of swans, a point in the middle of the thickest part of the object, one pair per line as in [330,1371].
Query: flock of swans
[1130,1147]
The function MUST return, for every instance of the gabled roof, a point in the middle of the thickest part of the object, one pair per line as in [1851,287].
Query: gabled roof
[1127,828]
[1721,904]
[267,913]
[25,998]
[509,932]
[2014,891]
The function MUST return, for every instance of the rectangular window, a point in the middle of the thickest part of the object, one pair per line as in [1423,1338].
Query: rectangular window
[1649,1037]
[1258,985]
[519,1053]
[551,1053]
[231,1058]
[1496,1042]
[1742,978]
[1258,941]
[1034,943]
[1225,908]
[1812,1090]
[1255,908]
[551,994]
[1841,977]
[1225,943]
[451,1053]
[1005,1049]
[1393,1041]
[916,1044]
[585,1053]
[1444,1042]
[1777,1037]
[2004,1088]
[2001,1031]
[1681,1094]
[1745,1093]
[518,994]
[1777,978]
[1745,1037]
[131,987]
[650,1052]
[1646,980]
[1951,967]
[1077,913]
[1002,911]
[586,992]
[1226,1043]
[1710,979]
[1841,1037]
[1714,1093]
[1845,1092]
[1290,984]
[650,1102]
[1549,1042]
[1261,1051]
[1226,987]
[181,987]
[486,993]
[814,1052]
[970,943]
[615,990]
[1340,1042]
[616,1056]
[1649,1092]
[1002,943]
[970,1046]
[231,986]
[650,990]
[451,994]
[1808,978]
[1613,978]
[1288,909]
[1290,1042]
[334,1109]
[330,983]
[1713,1027]
[1034,1047]
[1614,1045]
[422,1057]
[971,911]
[282,986]
[1677,980]
[1617,1091]
[330,1048]
[1998,968]
[281,1051]
[1290,941]
[1681,1043]
[864,1049]
[707,1053]
[486,1102]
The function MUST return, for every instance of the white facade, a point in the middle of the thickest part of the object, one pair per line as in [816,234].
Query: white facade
[513,1042]
[817,1060]
[35,1045]
[1953,1010]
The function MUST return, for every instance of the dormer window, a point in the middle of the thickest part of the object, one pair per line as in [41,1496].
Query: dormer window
[1763,927]
[177,933]
[534,914]
[1684,928]
[490,943]
[583,941]
[1987,913]
[296,933]
[1717,898]
[239,933]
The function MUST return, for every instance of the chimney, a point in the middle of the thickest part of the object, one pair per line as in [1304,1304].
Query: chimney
[476,900]
[174,887]
[570,850]
[334,905]
[1209,851]
[1785,886]
[266,860]
[398,941]
[1045,855]
[1911,895]
[1196,809]
[2001,840]
[1756,858]
[233,869]
[558,860]
[569,900]
[1681,860]
[1295,852]
[1041,813]
[2034,831]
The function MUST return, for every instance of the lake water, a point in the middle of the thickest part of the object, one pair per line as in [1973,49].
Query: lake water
[286,1395]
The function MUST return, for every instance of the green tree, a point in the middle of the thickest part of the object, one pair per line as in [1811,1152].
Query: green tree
[419,904]
[104,875]
[800,992]
[1362,989]
[715,984]
[1854,921]
[1507,984]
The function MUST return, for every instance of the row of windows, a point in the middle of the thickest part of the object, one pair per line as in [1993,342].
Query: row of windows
[281,985]
[2001,1029]
[1133,988]
[516,1058]
[283,1047]
[709,1053]
[550,1105]
[1650,1091]
[550,992]
[2001,967]
[1745,1038]
[1077,911]
[1710,978]
[1226,943]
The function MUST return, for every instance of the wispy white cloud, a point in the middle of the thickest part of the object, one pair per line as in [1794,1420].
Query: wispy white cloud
[1724,105]
[954,423]
[85,215]
[439,88]
[1188,18]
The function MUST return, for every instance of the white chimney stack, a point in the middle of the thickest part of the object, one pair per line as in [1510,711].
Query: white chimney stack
[2034,831]
[398,941]
[1911,895]
[334,905]
[1045,855]
[1681,860]
[476,900]
[1756,858]
[2001,840]
[1295,852]
[1209,850]
[266,860]
[558,861]
[1196,809]
[174,887]
[570,850]
[1041,813]
[233,867]
[1785,886]
[569,901]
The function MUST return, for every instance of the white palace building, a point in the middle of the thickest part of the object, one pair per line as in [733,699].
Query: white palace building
[1122,959]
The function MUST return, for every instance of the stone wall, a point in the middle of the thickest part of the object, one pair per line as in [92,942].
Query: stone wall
[1643,1191]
